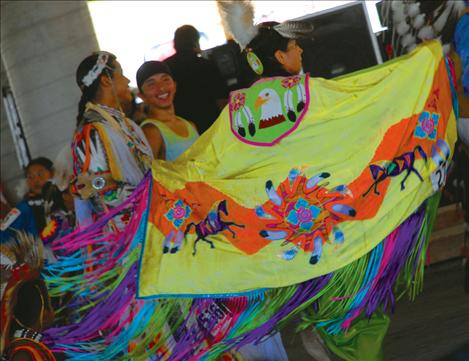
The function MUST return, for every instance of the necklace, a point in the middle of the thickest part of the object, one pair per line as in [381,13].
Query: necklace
[122,125]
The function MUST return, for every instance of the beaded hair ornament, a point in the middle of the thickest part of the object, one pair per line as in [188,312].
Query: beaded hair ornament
[238,20]
[97,69]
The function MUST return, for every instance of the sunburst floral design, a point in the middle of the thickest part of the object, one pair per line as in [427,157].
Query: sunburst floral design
[305,213]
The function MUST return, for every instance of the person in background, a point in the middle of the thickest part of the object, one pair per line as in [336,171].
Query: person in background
[29,214]
[133,109]
[275,55]
[202,93]
[169,135]
[44,211]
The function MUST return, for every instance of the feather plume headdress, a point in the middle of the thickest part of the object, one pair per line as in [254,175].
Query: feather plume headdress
[21,260]
[63,168]
[238,20]
[294,29]
[19,255]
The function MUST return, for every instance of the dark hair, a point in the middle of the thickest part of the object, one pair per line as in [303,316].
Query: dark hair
[186,38]
[265,44]
[31,299]
[149,68]
[45,162]
[89,92]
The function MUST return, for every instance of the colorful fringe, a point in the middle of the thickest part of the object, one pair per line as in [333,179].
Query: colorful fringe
[100,270]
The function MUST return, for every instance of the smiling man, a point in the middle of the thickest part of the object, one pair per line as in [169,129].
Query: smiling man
[169,135]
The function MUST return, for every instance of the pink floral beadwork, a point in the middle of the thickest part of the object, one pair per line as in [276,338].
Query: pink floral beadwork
[290,82]
[237,101]
[428,125]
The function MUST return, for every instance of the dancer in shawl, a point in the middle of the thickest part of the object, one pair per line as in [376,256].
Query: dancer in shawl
[271,54]
[289,161]
[271,50]
[111,154]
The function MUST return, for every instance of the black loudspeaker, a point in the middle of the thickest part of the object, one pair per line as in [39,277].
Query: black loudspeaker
[342,42]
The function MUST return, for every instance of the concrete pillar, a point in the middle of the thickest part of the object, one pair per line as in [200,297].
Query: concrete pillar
[11,172]
[42,43]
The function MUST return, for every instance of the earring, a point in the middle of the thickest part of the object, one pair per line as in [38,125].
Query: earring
[254,62]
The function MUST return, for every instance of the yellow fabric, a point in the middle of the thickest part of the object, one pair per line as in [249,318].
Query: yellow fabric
[351,123]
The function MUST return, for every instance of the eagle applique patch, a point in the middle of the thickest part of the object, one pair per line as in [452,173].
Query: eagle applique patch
[269,110]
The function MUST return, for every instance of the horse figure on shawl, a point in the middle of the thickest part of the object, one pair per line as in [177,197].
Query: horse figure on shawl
[399,165]
[211,225]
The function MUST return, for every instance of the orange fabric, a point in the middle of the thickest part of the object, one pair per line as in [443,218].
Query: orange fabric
[368,206]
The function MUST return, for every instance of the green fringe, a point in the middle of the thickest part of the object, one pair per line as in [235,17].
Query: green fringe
[411,280]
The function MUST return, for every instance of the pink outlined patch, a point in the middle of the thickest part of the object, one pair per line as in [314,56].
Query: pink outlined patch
[233,106]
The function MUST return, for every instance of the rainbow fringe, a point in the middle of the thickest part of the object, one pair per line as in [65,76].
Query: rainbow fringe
[112,324]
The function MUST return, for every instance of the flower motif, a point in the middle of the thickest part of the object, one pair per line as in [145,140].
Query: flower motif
[303,215]
[238,101]
[178,213]
[427,125]
[290,82]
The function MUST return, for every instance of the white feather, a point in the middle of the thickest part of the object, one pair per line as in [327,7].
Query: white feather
[238,20]
[438,10]
[398,15]
[458,7]
[63,168]
[6,260]
[418,21]
[413,9]
[439,24]
[408,40]
[396,5]
[402,28]
[426,33]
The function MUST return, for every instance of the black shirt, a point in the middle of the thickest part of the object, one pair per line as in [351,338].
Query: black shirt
[199,85]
